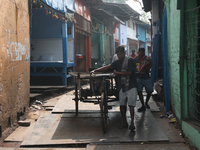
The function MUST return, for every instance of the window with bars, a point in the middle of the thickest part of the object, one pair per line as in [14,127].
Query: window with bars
[192,40]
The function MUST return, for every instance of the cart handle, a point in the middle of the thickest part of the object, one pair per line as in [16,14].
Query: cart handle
[103,75]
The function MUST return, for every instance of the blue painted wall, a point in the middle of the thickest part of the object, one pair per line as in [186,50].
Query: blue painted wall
[141,31]
[61,5]
[44,26]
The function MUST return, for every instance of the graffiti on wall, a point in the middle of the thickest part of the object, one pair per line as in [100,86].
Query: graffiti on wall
[16,50]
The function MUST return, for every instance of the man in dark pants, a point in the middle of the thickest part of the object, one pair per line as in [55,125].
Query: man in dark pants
[124,68]
[143,65]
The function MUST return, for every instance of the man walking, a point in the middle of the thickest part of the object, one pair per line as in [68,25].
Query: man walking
[124,68]
[143,65]
[133,54]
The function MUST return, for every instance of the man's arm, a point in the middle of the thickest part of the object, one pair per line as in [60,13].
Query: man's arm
[104,68]
[123,73]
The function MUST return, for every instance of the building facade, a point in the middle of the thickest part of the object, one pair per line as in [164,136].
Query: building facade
[14,60]
[180,46]
[52,42]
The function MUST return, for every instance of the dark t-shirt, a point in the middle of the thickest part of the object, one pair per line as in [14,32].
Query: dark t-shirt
[143,75]
[117,65]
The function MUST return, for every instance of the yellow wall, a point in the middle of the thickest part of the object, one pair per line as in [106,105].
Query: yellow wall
[14,59]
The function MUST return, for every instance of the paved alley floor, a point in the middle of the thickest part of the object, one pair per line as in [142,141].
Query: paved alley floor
[56,129]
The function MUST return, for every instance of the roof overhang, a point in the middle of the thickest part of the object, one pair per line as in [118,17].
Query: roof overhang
[116,10]
[143,24]
[147,5]
[125,7]
[118,20]
[94,3]
[104,16]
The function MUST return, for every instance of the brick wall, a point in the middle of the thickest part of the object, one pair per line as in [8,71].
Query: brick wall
[14,59]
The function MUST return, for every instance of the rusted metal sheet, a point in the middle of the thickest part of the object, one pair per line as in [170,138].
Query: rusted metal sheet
[67,104]
[21,132]
[171,146]
[9,148]
[54,129]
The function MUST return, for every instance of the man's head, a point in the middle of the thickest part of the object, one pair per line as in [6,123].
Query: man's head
[141,52]
[120,51]
[133,51]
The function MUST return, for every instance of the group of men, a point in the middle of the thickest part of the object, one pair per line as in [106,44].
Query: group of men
[132,74]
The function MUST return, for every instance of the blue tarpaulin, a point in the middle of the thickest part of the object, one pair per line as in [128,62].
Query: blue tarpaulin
[61,5]
[165,62]
[155,54]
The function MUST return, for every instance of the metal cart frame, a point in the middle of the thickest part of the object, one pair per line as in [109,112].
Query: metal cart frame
[100,92]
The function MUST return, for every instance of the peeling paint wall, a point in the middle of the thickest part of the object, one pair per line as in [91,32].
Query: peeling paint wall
[14,59]
[173,17]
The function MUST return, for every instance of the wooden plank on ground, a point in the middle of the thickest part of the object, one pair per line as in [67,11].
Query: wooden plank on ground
[21,132]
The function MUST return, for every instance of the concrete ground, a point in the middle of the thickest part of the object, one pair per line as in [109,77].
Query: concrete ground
[172,132]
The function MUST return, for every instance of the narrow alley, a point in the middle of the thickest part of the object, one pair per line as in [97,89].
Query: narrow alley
[54,126]
[100,74]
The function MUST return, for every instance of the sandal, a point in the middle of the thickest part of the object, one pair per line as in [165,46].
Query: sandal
[123,126]
[132,127]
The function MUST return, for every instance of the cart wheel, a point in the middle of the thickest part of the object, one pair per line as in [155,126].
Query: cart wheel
[104,111]
[76,99]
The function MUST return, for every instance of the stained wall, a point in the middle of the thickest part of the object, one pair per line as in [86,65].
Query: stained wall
[14,59]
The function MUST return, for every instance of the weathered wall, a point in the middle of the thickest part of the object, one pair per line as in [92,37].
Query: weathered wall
[14,59]
[173,17]
[191,14]
[107,43]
